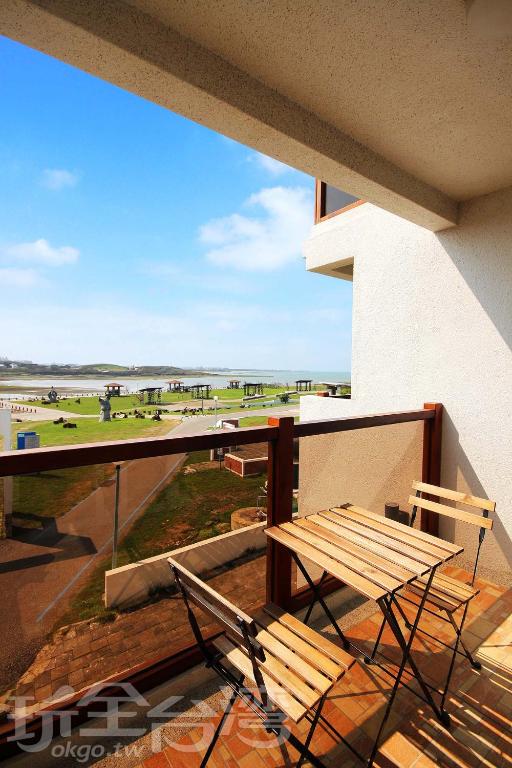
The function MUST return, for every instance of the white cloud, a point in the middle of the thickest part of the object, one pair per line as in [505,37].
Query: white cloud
[263,242]
[58,178]
[274,167]
[18,278]
[165,269]
[208,333]
[172,275]
[41,252]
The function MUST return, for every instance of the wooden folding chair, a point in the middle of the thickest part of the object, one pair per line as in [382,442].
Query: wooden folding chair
[292,666]
[447,595]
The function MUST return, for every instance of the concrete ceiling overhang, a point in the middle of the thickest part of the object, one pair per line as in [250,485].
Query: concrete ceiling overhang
[396,102]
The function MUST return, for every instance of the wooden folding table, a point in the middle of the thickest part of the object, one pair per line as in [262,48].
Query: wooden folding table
[377,557]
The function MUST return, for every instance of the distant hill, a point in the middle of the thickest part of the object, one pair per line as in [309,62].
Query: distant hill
[15,368]
[108,367]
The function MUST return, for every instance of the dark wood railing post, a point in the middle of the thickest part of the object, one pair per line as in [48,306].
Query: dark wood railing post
[431,468]
[279,509]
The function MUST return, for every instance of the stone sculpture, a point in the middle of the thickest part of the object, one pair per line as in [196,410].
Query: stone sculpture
[105,408]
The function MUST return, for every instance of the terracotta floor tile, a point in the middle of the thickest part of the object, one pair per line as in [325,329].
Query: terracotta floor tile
[156,761]
[480,702]
[399,749]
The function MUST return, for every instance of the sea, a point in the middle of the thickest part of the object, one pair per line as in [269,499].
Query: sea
[217,379]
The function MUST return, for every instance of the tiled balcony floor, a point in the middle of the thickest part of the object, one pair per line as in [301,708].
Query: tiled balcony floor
[480,707]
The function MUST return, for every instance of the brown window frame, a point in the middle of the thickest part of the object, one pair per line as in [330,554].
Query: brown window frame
[320,215]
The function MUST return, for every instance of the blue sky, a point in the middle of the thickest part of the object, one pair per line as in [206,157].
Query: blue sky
[129,234]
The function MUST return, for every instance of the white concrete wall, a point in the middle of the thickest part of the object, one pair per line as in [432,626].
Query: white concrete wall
[432,321]
[133,583]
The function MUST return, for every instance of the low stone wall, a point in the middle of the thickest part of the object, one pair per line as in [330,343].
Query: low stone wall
[132,584]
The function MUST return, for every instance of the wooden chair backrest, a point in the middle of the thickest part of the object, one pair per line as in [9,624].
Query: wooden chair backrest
[485,505]
[237,624]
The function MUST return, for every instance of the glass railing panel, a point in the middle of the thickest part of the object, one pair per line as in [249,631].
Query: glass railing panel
[365,467]
[88,590]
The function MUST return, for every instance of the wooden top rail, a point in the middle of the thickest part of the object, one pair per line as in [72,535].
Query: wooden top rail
[327,426]
[86,454]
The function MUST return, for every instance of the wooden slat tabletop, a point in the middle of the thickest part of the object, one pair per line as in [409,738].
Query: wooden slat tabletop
[373,555]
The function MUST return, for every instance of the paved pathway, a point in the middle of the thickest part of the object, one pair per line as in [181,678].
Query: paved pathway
[35,413]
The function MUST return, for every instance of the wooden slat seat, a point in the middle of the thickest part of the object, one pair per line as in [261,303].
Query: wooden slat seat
[300,666]
[328,649]
[295,664]
[277,693]
[445,593]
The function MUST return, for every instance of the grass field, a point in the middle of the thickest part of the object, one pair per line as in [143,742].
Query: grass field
[51,494]
[257,421]
[92,431]
[89,405]
[191,508]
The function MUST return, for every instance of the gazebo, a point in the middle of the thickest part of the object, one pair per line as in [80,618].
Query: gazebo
[253,388]
[234,384]
[303,385]
[113,389]
[175,385]
[200,391]
[150,395]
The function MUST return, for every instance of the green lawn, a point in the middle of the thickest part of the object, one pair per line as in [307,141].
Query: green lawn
[257,421]
[89,405]
[251,406]
[53,493]
[92,431]
[191,508]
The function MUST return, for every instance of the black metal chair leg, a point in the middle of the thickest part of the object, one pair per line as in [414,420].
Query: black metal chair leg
[220,726]
[474,663]
[305,753]
[314,723]
[458,631]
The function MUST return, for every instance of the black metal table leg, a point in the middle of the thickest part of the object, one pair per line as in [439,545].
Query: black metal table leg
[395,628]
[369,659]
[320,599]
[458,630]
[312,603]
[385,606]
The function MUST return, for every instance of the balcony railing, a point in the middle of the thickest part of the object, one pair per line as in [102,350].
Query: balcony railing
[279,433]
